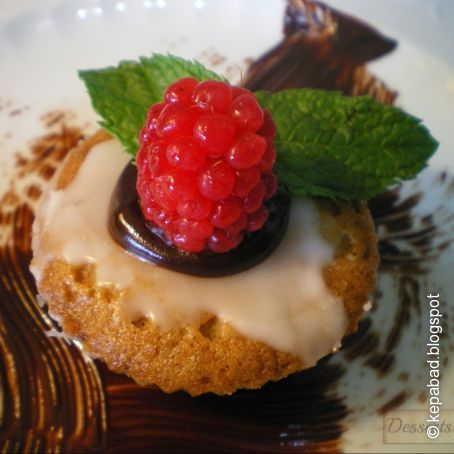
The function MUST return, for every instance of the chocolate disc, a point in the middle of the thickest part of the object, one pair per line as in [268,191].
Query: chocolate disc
[131,231]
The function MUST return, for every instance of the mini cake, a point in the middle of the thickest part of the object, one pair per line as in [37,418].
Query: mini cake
[322,274]
[187,267]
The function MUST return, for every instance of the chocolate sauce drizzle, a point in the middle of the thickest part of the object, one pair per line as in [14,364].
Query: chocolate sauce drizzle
[57,400]
[127,227]
[323,49]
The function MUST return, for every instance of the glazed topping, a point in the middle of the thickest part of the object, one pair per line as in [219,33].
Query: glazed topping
[139,238]
[204,166]
[283,301]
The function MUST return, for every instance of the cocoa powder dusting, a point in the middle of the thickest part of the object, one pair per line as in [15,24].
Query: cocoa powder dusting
[54,397]
[397,400]
[49,150]
[33,191]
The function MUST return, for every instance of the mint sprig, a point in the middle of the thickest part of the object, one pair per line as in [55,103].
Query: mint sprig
[122,95]
[327,144]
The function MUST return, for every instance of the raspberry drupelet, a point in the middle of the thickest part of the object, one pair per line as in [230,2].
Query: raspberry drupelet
[205,165]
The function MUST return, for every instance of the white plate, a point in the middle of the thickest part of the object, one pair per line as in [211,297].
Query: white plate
[43,43]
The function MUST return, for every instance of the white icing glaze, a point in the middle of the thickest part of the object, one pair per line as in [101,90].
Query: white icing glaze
[283,301]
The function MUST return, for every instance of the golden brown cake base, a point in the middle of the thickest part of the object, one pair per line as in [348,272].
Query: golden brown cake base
[209,355]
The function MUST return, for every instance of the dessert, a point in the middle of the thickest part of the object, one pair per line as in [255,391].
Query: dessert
[219,334]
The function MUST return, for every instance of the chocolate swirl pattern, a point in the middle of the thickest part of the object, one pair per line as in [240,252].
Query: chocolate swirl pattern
[322,48]
[51,395]
[296,414]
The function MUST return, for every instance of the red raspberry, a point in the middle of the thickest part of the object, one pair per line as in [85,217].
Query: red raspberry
[179,185]
[180,92]
[247,151]
[216,180]
[174,122]
[269,157]
[246,111]
[226,212]
[197,208]
[223,241]
[245,181]
[257,220]
[204,165]
[270,182]
[186,153]
[150,125]
[239,225]
[268,128]
[254,199]
[213,96]
[216,133]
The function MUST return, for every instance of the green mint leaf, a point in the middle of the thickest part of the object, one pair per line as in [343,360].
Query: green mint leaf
[122,95]
[339,146]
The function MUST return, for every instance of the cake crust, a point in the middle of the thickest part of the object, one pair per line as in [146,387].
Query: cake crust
[207,355]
